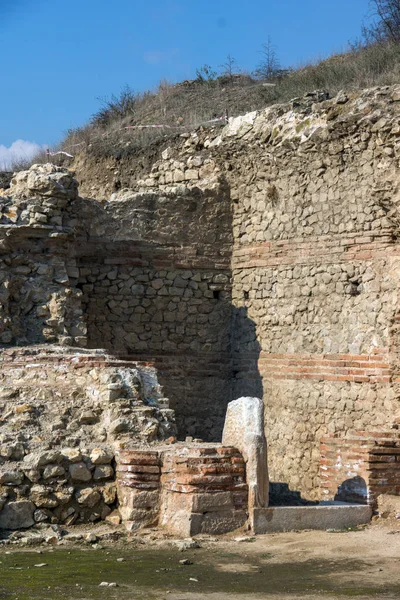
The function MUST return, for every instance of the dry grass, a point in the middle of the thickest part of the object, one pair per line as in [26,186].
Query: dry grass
[179,108]
[185,106]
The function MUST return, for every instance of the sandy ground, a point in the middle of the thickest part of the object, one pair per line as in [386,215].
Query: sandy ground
[369,558]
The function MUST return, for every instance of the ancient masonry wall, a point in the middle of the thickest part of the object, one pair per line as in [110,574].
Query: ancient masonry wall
[146,275]
[65,414]
[39,301]
[260,260]
[360,467]
[155,278]
[316,267]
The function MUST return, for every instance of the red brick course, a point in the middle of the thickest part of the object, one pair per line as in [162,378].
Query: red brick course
[358,368]
[329,249]
[361,467]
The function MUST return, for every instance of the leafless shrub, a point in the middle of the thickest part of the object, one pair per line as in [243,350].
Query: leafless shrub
[386,24]
[116,108]
[269,65]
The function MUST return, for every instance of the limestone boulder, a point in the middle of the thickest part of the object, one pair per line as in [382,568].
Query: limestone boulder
[244,430]
[17,515]
[79,472]
[52,471]
[44,180]
[88,497]
[101,456]
[73,455]
[239,126]
[43,497]
[11,477]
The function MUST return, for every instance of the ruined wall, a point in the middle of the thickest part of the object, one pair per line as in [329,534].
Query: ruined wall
[145,275]
[155,277]
[39,300]
[64,415]
[305,314]
[316,268]
[361,467]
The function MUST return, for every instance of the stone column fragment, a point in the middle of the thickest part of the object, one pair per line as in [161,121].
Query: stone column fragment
[244,429]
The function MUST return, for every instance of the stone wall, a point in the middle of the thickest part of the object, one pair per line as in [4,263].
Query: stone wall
[146,275]
[155,277]
[315,265]
[64,416]
[260,259]
[316,268]
[39,300]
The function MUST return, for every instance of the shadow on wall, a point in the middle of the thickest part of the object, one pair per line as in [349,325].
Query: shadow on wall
[281,495]
[199,382]
[353,490]
[246,378]
[201,392]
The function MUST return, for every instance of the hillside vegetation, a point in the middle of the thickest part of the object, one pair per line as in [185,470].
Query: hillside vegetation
[189,104]
[121,125]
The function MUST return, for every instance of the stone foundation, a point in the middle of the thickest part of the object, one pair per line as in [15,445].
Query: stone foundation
[186,490]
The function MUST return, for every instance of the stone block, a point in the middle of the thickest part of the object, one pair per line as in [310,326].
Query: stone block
[175,513]
[114,518]
[52,471]
[11,477]
[43,497]
[109,494]
[101,456]
[88,497]
[72,454]
[191,174]
[212,502]
[296,518]
[79,472]
[17,515]
[217,522]
[138,498]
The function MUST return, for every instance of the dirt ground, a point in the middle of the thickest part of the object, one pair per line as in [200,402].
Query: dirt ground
[354,561]
[310,565]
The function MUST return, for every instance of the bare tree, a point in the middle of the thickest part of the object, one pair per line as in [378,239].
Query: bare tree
[229,67]
[386,26]
[269,66]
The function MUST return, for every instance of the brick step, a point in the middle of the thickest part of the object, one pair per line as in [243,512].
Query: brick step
[138,469]
[140,485]
[203,489]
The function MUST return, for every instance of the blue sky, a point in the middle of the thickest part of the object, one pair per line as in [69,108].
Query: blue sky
[58,57]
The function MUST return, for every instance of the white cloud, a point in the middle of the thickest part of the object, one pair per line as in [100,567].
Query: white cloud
[18,151]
